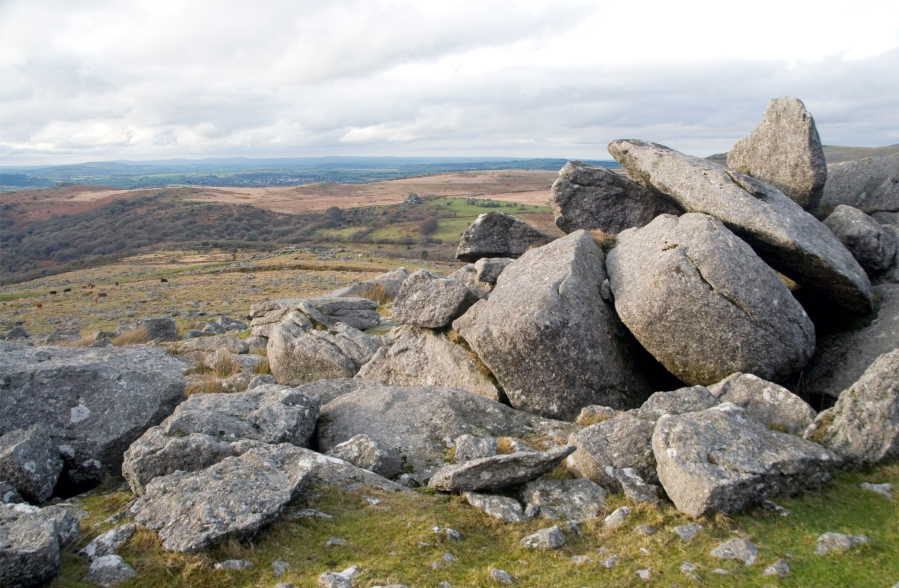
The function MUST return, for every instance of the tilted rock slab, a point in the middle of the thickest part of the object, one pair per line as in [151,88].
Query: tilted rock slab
[499,471]
[468,275]
[873,246]
[680,401]
[553,343]
[785,151]
[421,357]
[497,234]
[704,304]
[605,448]
[723,460]
[870,185]
[789,239]
[427,300]
[863,426]
[766,402]
[235,497]
[588,197]
[362,452]
[30,461]
[359,313]
[95,402]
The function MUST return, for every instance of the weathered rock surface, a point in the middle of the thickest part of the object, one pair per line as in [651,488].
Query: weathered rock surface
[499,471]
[871,245]
[566,500]
[29,547]
[9,494]
[624,441]
[588,197]
[785,151]
[870,184]
[421,357]
[469,447]
[230,343]
[838,542]
[789,239]
[704,304]
[551,538]
[768,403]
[618,517]
[636,489]
[30,461]
[108,543]
[468,275]
[158,329]
[427,300]
[680,401]
[489,268]
[109,570]
[385,286]
[739,549]
[551,340]
[419,422]
[95,402]
[236,496]
[863,426]
[723,460]
[327,390]
[504,508]
[359,313]
[497,234]
[362,452]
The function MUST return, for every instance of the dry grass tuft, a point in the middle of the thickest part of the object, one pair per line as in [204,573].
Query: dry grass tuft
[139,336]
[262,367]
[378,293]
[83,342]
[606,241]
[208,384]
[224,365]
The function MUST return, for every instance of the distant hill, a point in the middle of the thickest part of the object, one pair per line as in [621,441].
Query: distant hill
[834,153]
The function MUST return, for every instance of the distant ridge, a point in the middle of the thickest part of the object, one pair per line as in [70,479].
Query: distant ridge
[834,153]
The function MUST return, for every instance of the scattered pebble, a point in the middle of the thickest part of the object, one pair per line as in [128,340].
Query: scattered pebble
[335,541]
[645,530]
[371,500]
[885,490]
[687,532]
[617,518]
[644,574]
[550,538]
[778,568]
[451,533]
[720,571]
[501,577]
[449,557]
[284,585]
[279,567]
[687,568]
[830,542]
[776,508]
[579,559]
[644,551]
[739,549]
[610,562]
[233,564]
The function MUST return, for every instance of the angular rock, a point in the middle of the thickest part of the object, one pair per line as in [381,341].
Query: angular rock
[108,543]
[230,324]
[9,494]
[863,426]
[768,403]
[618,517]
[739,549]
[234,564]
[870,184]
[872,246]
[704,304]
[497,234]
[603,449]
[30,461]
[256,344]
[383,287]
[109,570]
[499,471]
[469,447]
[501,577]
[566,500]
[327,390]
[551,538]
[885,490]
[95,402]
[262,381]
[687,532]
[158,329]
[785,151]
[636,489]
[489,268]
[504,508]
[362,452]
[468,275]
[680,401]
[230,343]
[359,313]
[236,496]
[342,579]
[421,357]
[723,460]
[29,547]
[588,197]
[56,337]
[789,239]
[427,300]
[551,340]
[779,568]
[839,543]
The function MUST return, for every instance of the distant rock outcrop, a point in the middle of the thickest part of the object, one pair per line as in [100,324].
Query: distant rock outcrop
[497,234]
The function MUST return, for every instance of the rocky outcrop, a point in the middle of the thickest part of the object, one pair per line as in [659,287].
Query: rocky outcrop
[427,300]
[489,268]
[94,402]
[566,500]
[870,185]
[863,426]
[588,197]
[468,275]
[421,357]
[359,313]
[230,343]
[30,461]
[497,234]
[680,401]
[382,287]
[872,245]
[723,460]
[789,239]
[785,151]
[704,304]
[766,402]
[158,329]
[605,448]
[552,341]
[498,472]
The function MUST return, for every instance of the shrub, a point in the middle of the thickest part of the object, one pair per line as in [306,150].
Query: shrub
[429,226]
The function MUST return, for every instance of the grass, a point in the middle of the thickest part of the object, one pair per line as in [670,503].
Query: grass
[137,336]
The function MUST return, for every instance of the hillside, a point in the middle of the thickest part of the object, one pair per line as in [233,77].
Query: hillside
[834,153]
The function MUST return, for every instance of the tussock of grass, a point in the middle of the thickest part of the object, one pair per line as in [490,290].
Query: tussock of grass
[82,342]
[262,367]
[225,366]
[209,384]
[139,336]
[377,292]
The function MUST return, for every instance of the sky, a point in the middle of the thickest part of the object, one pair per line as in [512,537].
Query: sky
[98,80]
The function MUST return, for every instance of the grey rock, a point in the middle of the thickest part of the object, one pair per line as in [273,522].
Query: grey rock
[230,324]
[359,313]
[504,508]
[789,239]
[421,357]
[109,570]
[385,286]
[489,268]
[497,234]
[279,568]
[870,243]
[779,568]
[256,344]
[95,402]
[327,390]
[501,577]
[9,494]
[427,300]
[18,334]
[870,184]
[687,532]
[29,547]
[594,413]
[108,543]
[207,428]
[234,565]
[362,452]
[680,401]
[158,329]
[618,517]
[739,549]
[56,337]
[550,538]
[342,579]
[645,530]
[587,197]
[30,461]
[257,381]
[566,500]
[863,425]
[838,543]
[230,343]
[551,340]
[885,490]
[469,447]
[636,489]
[499,471]
[415,421]
[773,405]
[785,151]
[336,472]
[603,449]
[239,382]
[721,459]
[468,275]
[704,304]
[644,574]
[236,496]
[609,562]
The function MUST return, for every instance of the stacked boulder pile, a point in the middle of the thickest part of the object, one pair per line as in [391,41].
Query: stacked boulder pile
[643,352]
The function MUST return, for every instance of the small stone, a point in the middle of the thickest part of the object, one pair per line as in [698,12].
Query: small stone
[617,518]
[549,538]
[342,579]
[109,570]
[279,567]
[837,542]
[644,574]
[501,577]
[448,557]
[885,490]
[233,564]
[453,534]
[284,585]
[8,494]
[500,507]
[687,568]
[444,585]
[645,530]
[687,532]
[109,542]
[778,568]
[720,571]
[335,541]
[610,562]
[579,560]
[739,549]
[372,501]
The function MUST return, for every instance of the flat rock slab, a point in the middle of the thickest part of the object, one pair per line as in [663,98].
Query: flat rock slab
[497,234]
[428,300]
[359,313]
[504,508]
[566,500]
[768,403]
[30,461]
[838,543]
[723,460]
[870,184]
[788,238]
[499,471]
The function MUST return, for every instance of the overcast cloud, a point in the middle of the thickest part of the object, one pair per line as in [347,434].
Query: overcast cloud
[95,80]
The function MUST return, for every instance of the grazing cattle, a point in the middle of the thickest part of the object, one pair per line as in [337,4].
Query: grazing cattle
[101,295]
[39,305]
[163,280]
[116,283]
[52,291]
[96,299]
[66,290]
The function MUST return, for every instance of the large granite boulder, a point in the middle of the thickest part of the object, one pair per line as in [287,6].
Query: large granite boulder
[427,300]
[863,426]
[704,304]
[785,151]
[789,239]
[499,471]
[207,428]
[766,402]
[420,423]
[552,341]
[30,461]
[567,500]
[158,329]
[94,401]
[362,452]
[421,357]
[468,275]
[588,197]
[873,246]
[870,184]
[29,547]
[235,497]
[497,234]
[723,460]
[489,268]
[383,287]
[604,449]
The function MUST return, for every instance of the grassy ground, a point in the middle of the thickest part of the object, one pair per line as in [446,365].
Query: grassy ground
[393,542]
